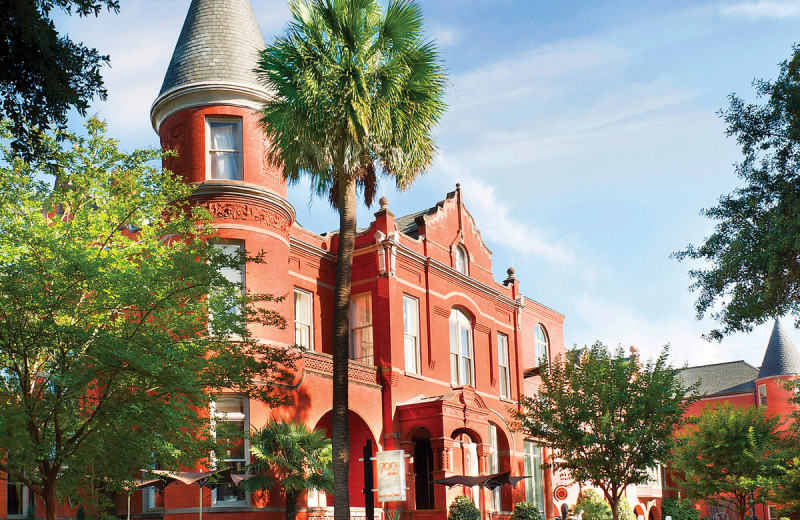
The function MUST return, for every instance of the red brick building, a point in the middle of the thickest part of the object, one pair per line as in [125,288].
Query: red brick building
[440,350]
[744,385]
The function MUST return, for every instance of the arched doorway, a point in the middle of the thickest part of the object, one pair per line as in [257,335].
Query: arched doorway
[423,469]
[359,433]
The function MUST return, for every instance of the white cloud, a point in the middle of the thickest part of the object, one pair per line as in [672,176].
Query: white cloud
[616,323]
[496,219]
[446,36]
[763,9]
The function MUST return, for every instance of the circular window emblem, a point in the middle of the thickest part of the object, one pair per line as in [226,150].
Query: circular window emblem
[560,493]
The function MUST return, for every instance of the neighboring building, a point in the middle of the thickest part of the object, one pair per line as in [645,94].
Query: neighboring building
[742,384]
[440,350]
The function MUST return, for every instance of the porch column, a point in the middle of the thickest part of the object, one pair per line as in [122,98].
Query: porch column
[442,448]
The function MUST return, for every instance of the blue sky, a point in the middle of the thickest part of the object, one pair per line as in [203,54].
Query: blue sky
[584,135]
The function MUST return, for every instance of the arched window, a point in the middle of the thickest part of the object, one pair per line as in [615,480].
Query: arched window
[541,345]
[460,348]
[462,260]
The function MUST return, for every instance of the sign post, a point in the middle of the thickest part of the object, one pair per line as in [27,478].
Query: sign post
[369,497]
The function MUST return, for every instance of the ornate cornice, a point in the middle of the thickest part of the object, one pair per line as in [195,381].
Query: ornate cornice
[246,189]
[206,93]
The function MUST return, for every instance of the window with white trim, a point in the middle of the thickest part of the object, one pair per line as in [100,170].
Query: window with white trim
[541,345]
[361,342]
[234,275]
[762,395]
[534,486]
[462,260]
[411,333]
[18,499]
[302,318]
[460,348]
[224,145]
[494,467]
[230,419]
[502,361]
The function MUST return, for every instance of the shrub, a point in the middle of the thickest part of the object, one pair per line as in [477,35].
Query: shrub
[31,513]
[624,509]
[592,506]
[526,511]
[679,509]
[462,508]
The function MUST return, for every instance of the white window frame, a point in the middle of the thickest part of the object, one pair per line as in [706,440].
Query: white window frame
[503,370]
[232,417]
[762,395]
[357,350]
[541,345]
[460,323]
[27,498]
[222,244]
[532,464]
[299,325]
[411,334]
[462,260]
[494,467]
[209,150]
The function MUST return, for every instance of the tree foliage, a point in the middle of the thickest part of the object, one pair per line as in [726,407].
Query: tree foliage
[357,94]
[754,272]
[293,457]
[107,281]
[730,456]
[43,74]
[679,509]
[607,417]
[591,506]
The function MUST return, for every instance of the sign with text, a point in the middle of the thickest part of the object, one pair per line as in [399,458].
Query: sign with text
[391,476]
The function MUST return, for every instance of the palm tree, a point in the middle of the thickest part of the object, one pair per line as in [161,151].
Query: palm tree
[357,94]
[291,456]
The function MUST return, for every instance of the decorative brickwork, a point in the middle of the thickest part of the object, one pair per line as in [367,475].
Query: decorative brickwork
[236,211]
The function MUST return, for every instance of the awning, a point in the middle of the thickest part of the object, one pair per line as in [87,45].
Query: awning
[485,481]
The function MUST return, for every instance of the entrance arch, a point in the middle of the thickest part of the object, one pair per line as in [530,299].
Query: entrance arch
[359,433]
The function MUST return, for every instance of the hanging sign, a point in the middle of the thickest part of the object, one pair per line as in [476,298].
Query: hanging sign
[391,476]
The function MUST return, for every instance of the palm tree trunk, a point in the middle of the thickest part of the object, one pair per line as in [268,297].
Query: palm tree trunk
[340,428]
[290,513]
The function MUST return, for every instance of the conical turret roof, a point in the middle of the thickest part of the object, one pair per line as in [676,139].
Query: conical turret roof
[781,358]
[219,43]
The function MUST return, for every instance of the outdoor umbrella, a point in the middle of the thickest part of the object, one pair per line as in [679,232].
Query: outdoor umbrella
[485,481]
[159,483]
[203,479]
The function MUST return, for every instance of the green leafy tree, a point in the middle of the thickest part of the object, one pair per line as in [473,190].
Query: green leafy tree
[679,509]
[591,506]
[43,74]
[357,95]
[293,457]
[729,456]
[462,508]
[607,417]
[107,281]
[754,268]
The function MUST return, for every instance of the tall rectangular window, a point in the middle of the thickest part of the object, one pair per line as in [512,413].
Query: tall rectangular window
[460,348]
[18,499]
[762,395]
[231,423]
[494,466]
[224,145]
[232,274]
[302,318]
[534,486]
[411,333]
[361,343]
[502,361]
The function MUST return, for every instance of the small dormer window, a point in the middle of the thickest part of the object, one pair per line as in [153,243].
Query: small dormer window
[462,262]
[224,144]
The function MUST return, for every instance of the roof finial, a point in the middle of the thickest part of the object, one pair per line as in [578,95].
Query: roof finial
[384,202]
